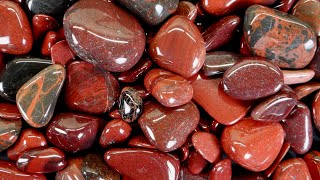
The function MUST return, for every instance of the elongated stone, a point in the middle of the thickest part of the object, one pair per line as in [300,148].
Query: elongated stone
[9,132]
[9,111]
[207,145]
[9,171]
[297,76]
[306,89]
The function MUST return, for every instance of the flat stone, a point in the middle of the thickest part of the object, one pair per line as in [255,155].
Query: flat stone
[72,170]
[10,171]
[196,163]
[104,34]
[304,90]
[130,104]
[252,144]
[160,124]
[186,8]
[9,132]
[207,145]
[252,79]
[178,47]
[9,111]
[267,32]
[41,24]
[312,159]
[221,170]
[297,76]
[37,98]
[294,168]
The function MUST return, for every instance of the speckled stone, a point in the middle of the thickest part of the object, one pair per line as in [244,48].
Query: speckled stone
[130,104]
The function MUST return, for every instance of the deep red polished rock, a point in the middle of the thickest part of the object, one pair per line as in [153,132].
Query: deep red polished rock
[252,79]
[15,31]
[115,114]
[61,53]
[28,139]
[186,8]
[140,141]
[285,5]
[105,34]
[221,171]
[221,32]
[168,128]
[196,163]
[9,111]
[41,24]
[312,159]
[9,171]
[316,110]
[169,89]
[89,88]
[294,168]
[72,132]
[207,145]
[9,132]
[137,71]
[178,47]
[306,89]
[253,144]
[43,160]
[50,39]
[183,152]
[209,94]
[244,47]
[186,174]
[140,164]
[315,63]
[72,171]
[116,131]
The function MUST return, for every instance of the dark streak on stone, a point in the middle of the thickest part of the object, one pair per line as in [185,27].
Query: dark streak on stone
[295,44]
[269,54]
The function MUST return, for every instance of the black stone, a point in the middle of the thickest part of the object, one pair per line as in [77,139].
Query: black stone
[130,104]
[18,72]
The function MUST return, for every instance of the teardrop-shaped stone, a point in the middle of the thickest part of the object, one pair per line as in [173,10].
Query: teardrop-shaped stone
[8,170]
[294,168]
[304,90]
[9,132]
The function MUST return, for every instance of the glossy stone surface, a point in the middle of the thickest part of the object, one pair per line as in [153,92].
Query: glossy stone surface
[9,171]
[275,108]
[18,72]
[169,89]
[316,110]
[61,53]
[90,89]
[315,63]
[217,62]
[43,160]
[15,30]
[196,163]
[186,8]
[207,145]
[297,76]
[152,12]
[72,170]
[9,111]
[9,132]
[72,132]
[116,131]
[209,94]
[41,24]
[93,167]
[252,79]
[308,11]
[221,32]
[294,168]
[306,89]
[104,34]
[186,174]
[130,104]
[285,5]
[245,143]
[143,163]
[50,39]
[37,98]
[223,7]
[28,139]
[244,47]
[298,128]
[312,159]
[178,47]
[267,32]
[221,170]
[137,71]
[161,124]
[140,141]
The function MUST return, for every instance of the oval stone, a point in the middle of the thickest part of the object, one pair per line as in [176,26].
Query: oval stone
[9,171]
[41,24]
[130,104]
[252,79]
[312,159]
[282,38]
[104,34]
[221,170]
[9,132]
[294,168]
[140,141]
[133,74]
[207,145]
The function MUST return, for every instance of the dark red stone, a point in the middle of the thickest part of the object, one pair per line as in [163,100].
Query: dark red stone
[294,168]
[140,141]
[143,163]
[89,88]
[178,47]
[244,47]
[306,89]
[284,5]
[315,63]
[137,71]
[207,145]
[130,104]
[252,79]
[61,53]
[2,64]
[196,163]
[28,139]
[312,159]
[43,160]
[9,171]
[186,174]
[142,91]
[9,132]
[72,170]
[183,153]
[221,170]
[316,110]
[297,76]
[9,111]
[115,114]
[104,34]
[15,30]
[41,24]
[186,8]
[50,39]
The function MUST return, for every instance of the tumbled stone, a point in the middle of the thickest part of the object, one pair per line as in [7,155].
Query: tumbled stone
[244,47]
[130,104]
[28,139]
[316,110]
[104,34]
[115,114]
[37,98]
[9,132]
[61,53]
[9,111]
[9,171]
[252,79]
[50,39]
[169,89]
[133,74]
[90,89]
[207,145]
[196,163]
[72,170]
[294,168]
[41,24]
[178,47]
[284,5]
[160,124]
[297,76]
[186,174]
[315,63]
[283,39]
[183,152]
[186,8]
[312,159]
[15,31]
[221,170]
[143,163]
[253,144]
[140,141]
[306,89]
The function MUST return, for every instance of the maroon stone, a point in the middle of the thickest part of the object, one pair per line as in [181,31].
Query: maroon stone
[244,47]
[140,141]
[43,160]
[41,24]
[183,153]
[160,124]
[61,53]
[221,170]
[312,159]
[90,89]
[252,79]
[50,39]
[9,111]
[186,174]
[72,171]
[315,63]
[196,163]
[186,8]
[306,89]
[294,168]
[143,163]
[9,171]
[316,110]
[207,145]
[115,114]
[137,71]
[72,132]
[2,64]
[297,76]
[9,132]
[142,91]
[284,5]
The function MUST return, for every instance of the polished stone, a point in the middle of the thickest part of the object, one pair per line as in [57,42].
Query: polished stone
[140,141]
[316,110]
[186,8]
[315,63]
[306,89]
[196,163]
[41,24]
[284,5]
[9,171]
[139,70]
[185,174]
[312,159]
[9,132]
[222,170]
[283,152]
[130,104]
[207,145]
[297,76]
[244,47]
[294,168]
[9,111]
[50,39]
[72,170]
[61,53]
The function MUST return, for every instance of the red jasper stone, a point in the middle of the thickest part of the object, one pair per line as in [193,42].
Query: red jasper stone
[72,171]
[140,141]
[143,163]
[9,171]
[178,47]
[196,163]
[41,24]
[312,159]
[50,39]
[253,144]
[315,63]
[185,173]
[2,64]
[221,32]
[116,131]
[9,132]
[183,153]
[244,47]
[316,110]
[306,89]
[209,94]
[169,89]
[72,132]
[285,5]
[9,111]
[61,53]
[297,76]
[160,124]
[221,170]
[28,139]
[252,79]
[90,89]
[186,8]
[115,114]
[207,145]
[294,168]
[15,30]
[137,71]
[43,160]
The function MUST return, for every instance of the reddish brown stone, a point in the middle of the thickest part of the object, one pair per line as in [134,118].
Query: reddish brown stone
[186,8]
[294,168]
[142,91]
[72,171]
[316,110]
[9,132]
[41,24]
[9,111]
[140,141]
[137,71]
[186,174]
[61,53]
[244,47]
[306,89]
[297,76]
[285,5]
[315,63]
[221,170]
[312,159]
[207,145]
[114,114]
[2,64]
[183,153]
[9,171]
[179,47]
[50,39]
[196,163]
